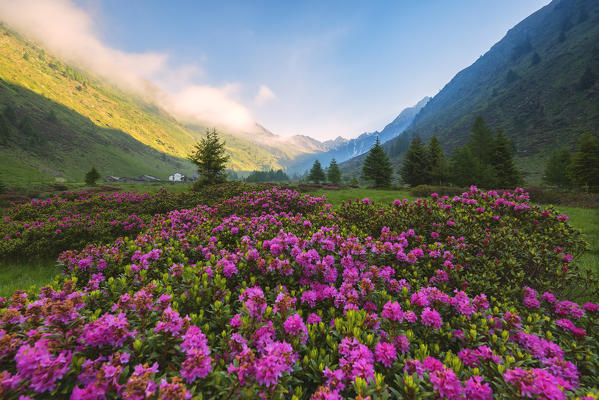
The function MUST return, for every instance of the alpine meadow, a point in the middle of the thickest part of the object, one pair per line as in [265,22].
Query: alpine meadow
[299,200]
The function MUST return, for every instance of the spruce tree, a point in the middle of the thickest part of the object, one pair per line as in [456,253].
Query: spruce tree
[210,158]
[507,174]
[466,169]
[463,166]
[584,169]
[92,176]
[316,173]
[377,167]
[334,173]
[481,137]
[437,162]
[415,169]
[557,169]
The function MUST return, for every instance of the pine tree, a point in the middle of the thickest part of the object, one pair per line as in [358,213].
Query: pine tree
[584,169]
[507,174]
[556,171]
[377,166]
[334,173]
[210,158]
[316,173]
[415,169]
[92,176]
[481,137]
[466,169]
[463,165]
[437,162]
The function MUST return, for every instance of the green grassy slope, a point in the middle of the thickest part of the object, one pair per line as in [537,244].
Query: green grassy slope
[66,142]
[538,101]
[98,123]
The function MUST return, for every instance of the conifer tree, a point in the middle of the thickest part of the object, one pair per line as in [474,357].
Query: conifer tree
[437,162]
[481,137]
[584,169]
[210,158]
[466,169]
[316,173]
[507,174]
[92,176]
[334,173]
[377,166]
[415,169]
[463,166]
[557,169]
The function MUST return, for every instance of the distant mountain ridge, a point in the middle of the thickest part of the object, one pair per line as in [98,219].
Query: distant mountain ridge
[344,149]
[539,84]
[87,108]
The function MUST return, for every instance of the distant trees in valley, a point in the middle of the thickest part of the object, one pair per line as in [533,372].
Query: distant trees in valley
[267,176]
[486,160]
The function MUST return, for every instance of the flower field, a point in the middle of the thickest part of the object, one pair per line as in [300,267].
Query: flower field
[275,295]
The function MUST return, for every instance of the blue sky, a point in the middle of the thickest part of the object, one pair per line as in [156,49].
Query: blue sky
[334,68]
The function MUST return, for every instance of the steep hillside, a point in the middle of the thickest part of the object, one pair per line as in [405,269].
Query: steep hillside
[342,149]
[85,108]
[539,83]
[44,140]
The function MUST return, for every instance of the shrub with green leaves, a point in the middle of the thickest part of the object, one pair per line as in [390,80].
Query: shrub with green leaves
[274,294]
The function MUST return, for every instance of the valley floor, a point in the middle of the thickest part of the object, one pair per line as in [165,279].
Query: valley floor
[21,275]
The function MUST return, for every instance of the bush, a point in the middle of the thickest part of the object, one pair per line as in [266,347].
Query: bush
[271,294]
[427,190]
[566,198]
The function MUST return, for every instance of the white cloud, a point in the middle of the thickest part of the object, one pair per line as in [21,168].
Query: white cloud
[264,95]
[69,31]
[208,104]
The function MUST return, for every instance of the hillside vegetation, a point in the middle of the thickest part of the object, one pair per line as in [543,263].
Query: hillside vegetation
[74,113]
[539,84]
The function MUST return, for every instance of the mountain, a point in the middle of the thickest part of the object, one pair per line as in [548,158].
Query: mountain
[68,119]
[343,149]
[539,84]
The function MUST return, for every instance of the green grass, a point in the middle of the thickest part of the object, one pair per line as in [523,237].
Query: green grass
[587,222]
[96,123]
[22,275]
[337,197]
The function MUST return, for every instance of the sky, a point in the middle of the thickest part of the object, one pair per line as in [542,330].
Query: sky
[317,68]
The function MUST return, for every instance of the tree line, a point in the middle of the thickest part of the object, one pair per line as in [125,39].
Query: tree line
[580,169]
[486,160]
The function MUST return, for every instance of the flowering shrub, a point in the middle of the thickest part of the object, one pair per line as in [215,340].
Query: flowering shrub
[273,294]
[44,228]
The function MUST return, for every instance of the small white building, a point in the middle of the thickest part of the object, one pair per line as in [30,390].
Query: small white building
[176,177]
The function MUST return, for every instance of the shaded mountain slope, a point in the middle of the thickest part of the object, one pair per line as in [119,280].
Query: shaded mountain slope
[539,84]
